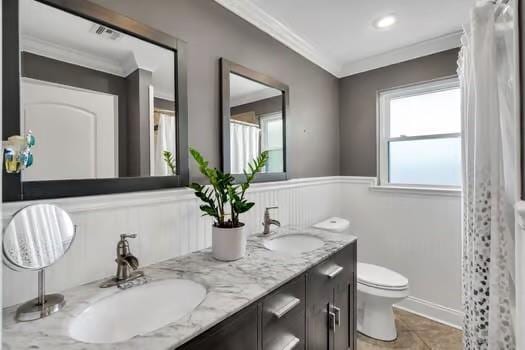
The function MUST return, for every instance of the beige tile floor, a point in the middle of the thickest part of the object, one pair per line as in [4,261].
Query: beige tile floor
[416,333]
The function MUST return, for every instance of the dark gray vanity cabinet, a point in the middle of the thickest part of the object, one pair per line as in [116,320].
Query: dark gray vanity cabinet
[284,317]
[239,332]
[331,302]
[315,311]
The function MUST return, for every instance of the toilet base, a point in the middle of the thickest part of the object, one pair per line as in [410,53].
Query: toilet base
[375,316]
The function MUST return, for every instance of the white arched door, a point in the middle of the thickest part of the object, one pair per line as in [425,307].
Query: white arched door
[75,131]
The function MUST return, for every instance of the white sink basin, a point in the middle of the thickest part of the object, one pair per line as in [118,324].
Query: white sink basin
[294,243]
[136,311]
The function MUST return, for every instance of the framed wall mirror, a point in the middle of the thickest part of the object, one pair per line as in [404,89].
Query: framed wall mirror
[254,110]
[104,96]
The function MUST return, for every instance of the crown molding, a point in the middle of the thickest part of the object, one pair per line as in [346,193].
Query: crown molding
[423,48]
[253,14]
[66,54]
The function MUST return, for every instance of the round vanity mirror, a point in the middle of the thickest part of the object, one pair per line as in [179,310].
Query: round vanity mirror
[35,238]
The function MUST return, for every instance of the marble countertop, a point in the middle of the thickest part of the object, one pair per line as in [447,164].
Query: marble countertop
[231,286]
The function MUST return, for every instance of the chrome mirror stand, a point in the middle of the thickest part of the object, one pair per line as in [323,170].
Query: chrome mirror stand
[43,305]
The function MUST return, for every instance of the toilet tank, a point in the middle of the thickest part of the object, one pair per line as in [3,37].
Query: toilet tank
[334,224]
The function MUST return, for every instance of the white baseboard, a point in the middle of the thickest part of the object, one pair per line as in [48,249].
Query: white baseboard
[435,312]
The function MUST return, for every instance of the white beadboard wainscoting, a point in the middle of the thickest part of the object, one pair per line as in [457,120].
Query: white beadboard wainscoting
[413,232]
[168,224]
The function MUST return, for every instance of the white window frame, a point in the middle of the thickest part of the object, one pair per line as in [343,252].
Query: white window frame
[383,128]
[264,119]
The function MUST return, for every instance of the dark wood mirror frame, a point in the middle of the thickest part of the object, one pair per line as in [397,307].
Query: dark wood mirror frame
[227,67]
[16,190]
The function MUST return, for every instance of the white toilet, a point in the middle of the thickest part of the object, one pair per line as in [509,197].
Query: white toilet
[378,288]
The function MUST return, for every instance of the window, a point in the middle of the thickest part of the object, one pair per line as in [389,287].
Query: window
[272,141]
[420,135]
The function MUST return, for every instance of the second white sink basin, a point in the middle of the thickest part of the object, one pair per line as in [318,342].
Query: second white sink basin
[136,311]
[294,243]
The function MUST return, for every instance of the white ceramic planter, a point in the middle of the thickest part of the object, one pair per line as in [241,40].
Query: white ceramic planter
[228,244]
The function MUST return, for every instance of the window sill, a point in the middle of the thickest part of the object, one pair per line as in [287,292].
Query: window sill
[423,191]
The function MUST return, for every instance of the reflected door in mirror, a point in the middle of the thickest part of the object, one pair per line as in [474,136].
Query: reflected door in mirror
[256,124]
[100,102]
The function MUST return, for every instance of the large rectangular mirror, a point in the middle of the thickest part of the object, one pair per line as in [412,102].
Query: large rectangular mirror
[254,110]
[102,98]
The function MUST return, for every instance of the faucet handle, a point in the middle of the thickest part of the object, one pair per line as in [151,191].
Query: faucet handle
[268,208]
[125,236]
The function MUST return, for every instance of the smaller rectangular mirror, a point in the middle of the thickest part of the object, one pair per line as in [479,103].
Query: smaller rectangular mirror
[254,109]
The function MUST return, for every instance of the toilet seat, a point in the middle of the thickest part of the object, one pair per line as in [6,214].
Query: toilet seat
[380,277]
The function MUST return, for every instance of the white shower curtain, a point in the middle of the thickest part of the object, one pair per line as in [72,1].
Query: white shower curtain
[487,70]
[244,142]
[165,142]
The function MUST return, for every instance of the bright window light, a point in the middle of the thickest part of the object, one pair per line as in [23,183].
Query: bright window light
[420,135]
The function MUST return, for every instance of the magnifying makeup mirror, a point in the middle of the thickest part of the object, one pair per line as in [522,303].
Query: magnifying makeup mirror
[37,237]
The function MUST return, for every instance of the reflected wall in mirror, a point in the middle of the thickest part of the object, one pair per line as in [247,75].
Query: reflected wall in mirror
[100,102]
[256,124]
[254,108]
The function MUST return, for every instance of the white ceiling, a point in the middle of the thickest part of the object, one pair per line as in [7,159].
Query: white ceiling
[244,91]
[56,34]
[339,35]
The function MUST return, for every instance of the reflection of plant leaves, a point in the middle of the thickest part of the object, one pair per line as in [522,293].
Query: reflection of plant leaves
[170,161]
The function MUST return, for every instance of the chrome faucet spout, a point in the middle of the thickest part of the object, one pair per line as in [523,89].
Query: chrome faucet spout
[268,221]
[126,264]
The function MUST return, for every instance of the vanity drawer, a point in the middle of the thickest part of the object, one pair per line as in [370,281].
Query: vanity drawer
[239,332]
[284,317]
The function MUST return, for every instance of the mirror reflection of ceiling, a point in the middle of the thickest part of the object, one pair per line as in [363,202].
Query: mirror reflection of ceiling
[59,35]
[243,91]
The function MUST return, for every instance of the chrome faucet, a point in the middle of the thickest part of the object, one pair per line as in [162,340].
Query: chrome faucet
[127,263]
[268,221]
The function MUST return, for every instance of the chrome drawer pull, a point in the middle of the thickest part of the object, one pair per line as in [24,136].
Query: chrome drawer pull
[331,320]
[292,344]
[337,312]
[336,270]
[293,302]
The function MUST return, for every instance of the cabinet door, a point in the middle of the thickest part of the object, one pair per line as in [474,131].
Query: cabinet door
[320,299]
[344,300]
[341,308]
[239,332]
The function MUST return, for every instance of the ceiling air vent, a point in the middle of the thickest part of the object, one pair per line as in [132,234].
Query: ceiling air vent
[105,32]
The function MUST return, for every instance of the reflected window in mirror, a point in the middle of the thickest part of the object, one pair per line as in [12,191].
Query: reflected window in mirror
[254,113]
[255,124]
[100,102]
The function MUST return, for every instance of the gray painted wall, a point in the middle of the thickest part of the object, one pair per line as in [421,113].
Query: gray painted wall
[213,32]
[266,106]
[358,105]
[139,123]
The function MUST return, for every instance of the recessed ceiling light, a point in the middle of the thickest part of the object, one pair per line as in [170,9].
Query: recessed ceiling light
[385,22]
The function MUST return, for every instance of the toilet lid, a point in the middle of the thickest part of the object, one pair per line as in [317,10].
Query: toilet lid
[380,277]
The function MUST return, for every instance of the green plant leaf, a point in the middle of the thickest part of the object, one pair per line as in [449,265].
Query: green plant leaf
[170,161]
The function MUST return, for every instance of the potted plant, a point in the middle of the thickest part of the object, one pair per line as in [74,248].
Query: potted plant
[225,201]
